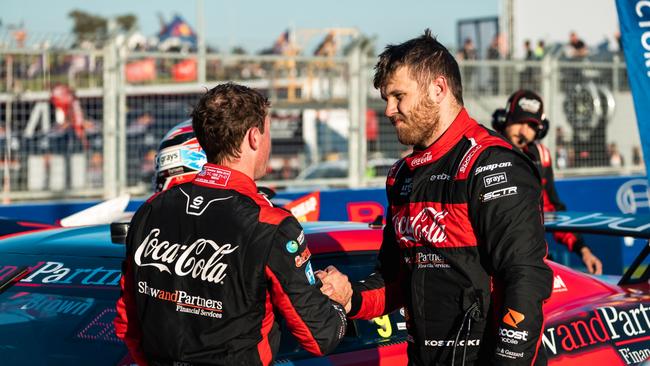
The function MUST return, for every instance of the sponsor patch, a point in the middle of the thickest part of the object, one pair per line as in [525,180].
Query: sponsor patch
[513,317]
[169,159]
[406,187]
[513,336]
[450,342]
[442,176]
[292,246]
[302,258]
[468,157]
[494,179]
[309,272]
[184,301]
[421,160]
[213,176]
[491,167]
[509,191]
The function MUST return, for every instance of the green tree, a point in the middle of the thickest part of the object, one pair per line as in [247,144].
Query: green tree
[91,27]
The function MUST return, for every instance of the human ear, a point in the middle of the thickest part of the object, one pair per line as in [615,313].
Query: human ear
[438,89]
[254,138]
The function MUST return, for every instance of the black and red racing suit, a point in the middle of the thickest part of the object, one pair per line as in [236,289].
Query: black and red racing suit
[541,156]
[208,264]
[463,252]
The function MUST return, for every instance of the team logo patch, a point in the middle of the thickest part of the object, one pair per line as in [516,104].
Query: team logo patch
[513,317]
[292,246]
[309,272]
[302,258]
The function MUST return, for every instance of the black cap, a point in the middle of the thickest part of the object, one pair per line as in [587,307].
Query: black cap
[524,106]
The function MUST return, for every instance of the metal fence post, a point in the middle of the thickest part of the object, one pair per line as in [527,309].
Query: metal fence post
[354,100]
[110,119]
[120,136]
[548,88]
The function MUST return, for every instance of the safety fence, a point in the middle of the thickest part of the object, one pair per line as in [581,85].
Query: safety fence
[87,123]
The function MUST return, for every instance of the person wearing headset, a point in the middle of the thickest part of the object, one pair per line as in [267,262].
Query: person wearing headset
[524,124]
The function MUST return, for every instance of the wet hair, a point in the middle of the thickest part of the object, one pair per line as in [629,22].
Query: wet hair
[222,117]
[426,59]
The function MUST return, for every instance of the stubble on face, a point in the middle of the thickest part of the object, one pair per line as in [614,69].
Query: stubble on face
[422,122]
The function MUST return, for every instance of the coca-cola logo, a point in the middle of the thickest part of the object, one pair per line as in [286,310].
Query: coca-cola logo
[424,227]
[421,160]
[184,259]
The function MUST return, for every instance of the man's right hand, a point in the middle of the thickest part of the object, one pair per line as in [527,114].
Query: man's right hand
[336,286]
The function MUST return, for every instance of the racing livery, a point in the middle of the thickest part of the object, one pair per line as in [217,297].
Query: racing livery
[541,156]
[463,251]
[208,264]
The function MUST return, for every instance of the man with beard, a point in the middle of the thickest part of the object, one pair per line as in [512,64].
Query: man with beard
[463,249]
[523,123]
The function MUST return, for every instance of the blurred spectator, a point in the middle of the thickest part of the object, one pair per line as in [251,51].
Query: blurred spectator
[577,49]
[494,50]
[528,74]
[540,50]
[636,156]
[469,50]
[615,157]
[494,53]
[528,51]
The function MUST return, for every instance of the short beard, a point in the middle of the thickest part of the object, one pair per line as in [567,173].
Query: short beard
[422,122]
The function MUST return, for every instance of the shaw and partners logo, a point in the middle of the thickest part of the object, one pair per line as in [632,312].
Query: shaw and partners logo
[184,259]
[624,328]
[425,227]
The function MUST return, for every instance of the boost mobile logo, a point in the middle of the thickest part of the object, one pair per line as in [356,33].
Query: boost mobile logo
[513,317]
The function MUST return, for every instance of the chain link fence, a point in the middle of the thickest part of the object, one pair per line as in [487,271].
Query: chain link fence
[87,123]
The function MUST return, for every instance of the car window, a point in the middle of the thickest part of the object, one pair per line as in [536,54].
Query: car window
[61,312]
[360,333]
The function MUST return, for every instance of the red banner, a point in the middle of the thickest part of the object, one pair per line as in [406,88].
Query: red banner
[141,70]
[185,70]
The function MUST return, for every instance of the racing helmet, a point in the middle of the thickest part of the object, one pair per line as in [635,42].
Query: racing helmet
[179,158]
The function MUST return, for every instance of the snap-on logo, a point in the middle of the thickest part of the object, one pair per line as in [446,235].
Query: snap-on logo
[513,317]
[491,167]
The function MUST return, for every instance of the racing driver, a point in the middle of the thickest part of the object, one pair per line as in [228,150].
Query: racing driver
[463,249]
[209,262]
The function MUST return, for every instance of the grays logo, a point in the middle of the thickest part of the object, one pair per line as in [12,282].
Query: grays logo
[197,205]
[491,167]
[509,191]
[494,179]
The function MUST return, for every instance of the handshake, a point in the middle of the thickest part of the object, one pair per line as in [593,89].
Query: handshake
[336,286]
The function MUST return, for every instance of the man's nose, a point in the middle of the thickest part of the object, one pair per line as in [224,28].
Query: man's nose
[391,108]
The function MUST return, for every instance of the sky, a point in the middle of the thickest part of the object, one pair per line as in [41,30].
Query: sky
[256,24]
